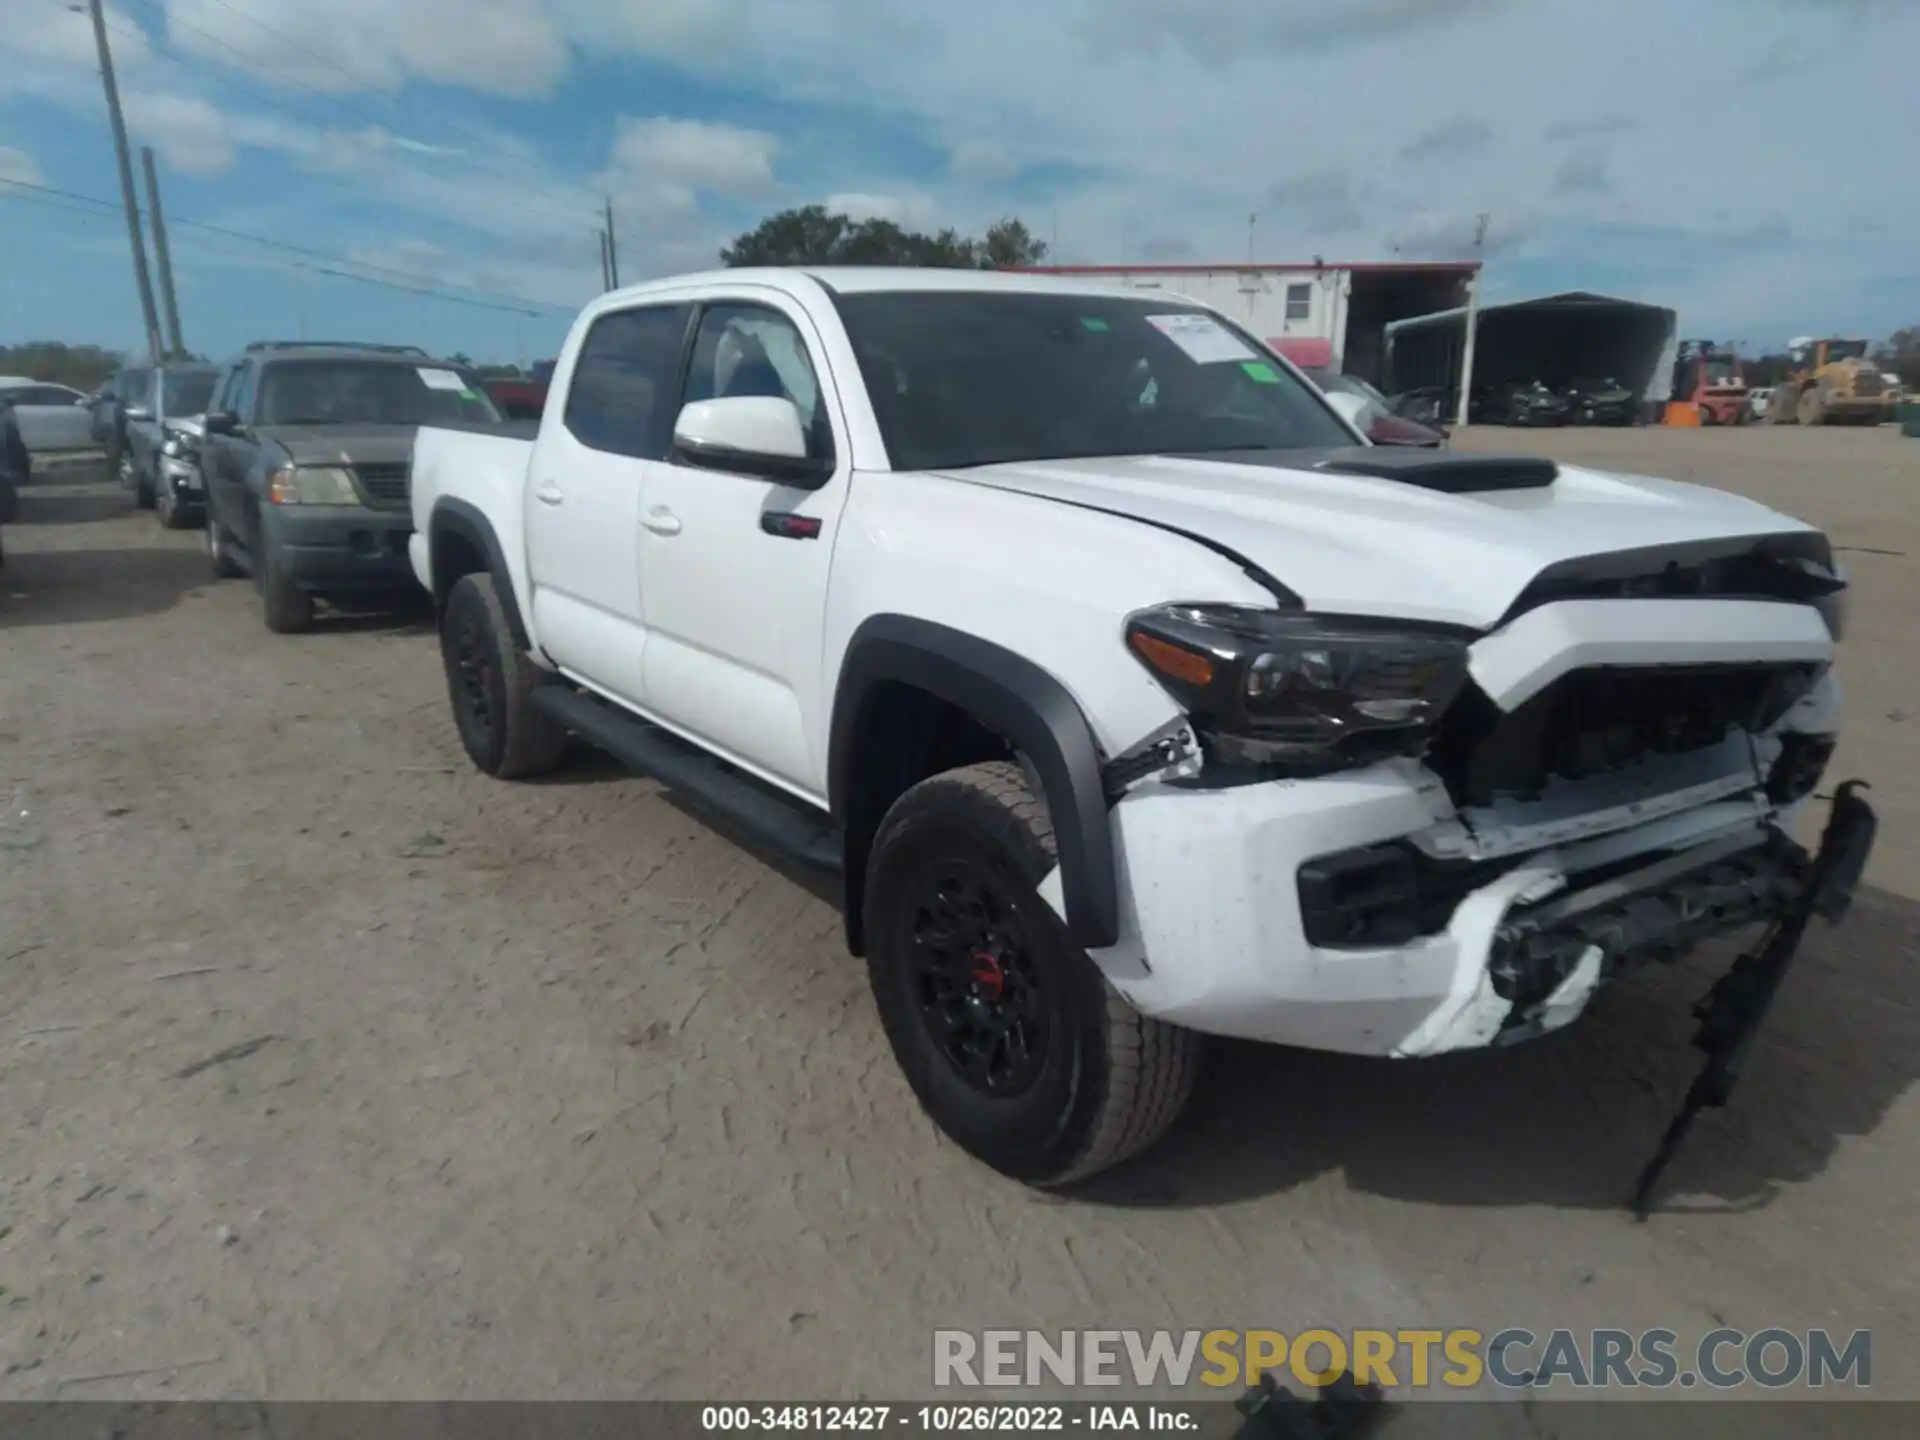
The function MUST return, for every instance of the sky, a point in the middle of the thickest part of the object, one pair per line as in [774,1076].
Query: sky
[432,171]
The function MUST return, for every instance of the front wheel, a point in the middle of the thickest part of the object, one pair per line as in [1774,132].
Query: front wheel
[288,609]
[1011,1038]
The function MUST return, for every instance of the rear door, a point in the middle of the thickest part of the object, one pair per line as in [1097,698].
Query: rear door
[584,483]
[736,565]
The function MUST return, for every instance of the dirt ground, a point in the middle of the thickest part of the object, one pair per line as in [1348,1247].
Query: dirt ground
[331,1069]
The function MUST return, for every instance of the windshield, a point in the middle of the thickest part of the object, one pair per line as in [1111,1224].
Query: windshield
[369,392]
[133,386]
[1846,349]
[971,378]
[188,391]
[1723,368]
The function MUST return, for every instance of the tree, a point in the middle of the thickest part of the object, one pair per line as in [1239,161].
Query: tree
[1902,355]
[84,367]
[814,235]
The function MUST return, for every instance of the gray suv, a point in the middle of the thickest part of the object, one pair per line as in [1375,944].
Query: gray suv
[306,457]
[154,417]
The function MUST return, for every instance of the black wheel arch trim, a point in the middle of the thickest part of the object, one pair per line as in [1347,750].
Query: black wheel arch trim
[1017,700]
[462,518]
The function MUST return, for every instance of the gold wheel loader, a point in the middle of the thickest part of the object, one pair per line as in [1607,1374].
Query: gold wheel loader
[1832,383]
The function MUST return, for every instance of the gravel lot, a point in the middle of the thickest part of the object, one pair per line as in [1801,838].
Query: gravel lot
[332,1069]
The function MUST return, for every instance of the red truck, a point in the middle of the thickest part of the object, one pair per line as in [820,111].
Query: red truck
[523,399]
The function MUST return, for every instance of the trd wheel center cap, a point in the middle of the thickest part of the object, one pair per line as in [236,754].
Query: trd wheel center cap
[989,980]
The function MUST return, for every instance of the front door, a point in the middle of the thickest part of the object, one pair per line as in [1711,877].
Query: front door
[226,456]
[583,495]
[736,566]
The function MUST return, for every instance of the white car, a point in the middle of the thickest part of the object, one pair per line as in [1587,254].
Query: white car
[1758,401]
[51,418]
[1133,695]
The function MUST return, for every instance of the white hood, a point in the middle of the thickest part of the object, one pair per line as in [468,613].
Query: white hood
[1357,545]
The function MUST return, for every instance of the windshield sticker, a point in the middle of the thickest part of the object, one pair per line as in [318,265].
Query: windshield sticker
[1205,340]
[1261,371]
[1092,322]
[439,379]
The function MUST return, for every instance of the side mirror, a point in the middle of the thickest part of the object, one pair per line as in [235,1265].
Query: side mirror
[748,435]
[221,422]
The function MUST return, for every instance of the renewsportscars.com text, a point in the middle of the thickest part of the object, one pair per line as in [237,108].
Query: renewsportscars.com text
[1512,1358]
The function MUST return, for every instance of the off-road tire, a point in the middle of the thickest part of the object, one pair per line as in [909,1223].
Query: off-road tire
[217,554]
[1112,1080]
[287,609]
[514,740]
[1783,406]
[1812,409]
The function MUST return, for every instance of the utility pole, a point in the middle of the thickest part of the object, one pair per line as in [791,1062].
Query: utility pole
[1473,317]
[606,276]
[1252,220]
[158,219]
[613,252]
[126,180]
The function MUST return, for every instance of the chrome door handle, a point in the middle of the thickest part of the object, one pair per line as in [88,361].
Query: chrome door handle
[548,493]
[662,521]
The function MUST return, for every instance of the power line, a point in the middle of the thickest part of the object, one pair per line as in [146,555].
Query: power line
[439,287]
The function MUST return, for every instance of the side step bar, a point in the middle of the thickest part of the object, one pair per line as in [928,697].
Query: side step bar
[783,823]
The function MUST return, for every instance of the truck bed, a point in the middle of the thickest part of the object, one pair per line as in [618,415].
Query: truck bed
[477,465]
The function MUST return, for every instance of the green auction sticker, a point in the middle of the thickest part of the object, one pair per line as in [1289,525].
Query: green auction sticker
[1261,371]
[1094,323]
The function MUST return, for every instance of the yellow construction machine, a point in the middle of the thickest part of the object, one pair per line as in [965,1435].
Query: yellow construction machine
[1832,383]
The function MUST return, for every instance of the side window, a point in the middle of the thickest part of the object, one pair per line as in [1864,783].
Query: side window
[1300,302]
[240,392]
[623,381]
[754,350]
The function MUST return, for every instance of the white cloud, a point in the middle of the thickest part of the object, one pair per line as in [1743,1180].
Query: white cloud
[693,155]
[18,166]
[912,212]
[980,160]
[191,135]
[48,30]
[503,47]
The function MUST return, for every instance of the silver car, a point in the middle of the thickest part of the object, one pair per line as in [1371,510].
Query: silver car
[157,449]
[51,418]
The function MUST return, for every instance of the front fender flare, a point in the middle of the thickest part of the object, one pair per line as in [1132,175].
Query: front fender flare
[1017,700]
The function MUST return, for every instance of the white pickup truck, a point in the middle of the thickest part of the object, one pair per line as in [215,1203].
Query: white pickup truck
[1133,695]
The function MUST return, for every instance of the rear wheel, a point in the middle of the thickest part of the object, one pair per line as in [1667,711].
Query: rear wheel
[1812,409]
[1012,1040]
[490,682]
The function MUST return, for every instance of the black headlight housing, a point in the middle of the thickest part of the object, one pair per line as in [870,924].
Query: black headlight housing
[1292,693]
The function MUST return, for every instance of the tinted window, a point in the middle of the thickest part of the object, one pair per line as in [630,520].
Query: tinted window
[240,392]
[48,395]
[369,392]
[188,392]
[1299,302]
[753,350]
[624,379]
[976,378]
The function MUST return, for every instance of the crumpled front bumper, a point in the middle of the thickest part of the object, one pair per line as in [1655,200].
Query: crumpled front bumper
[1214,936]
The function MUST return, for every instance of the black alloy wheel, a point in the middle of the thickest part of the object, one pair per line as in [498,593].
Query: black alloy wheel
[981,994]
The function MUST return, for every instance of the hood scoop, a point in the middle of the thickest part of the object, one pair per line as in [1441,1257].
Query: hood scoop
[1449,473]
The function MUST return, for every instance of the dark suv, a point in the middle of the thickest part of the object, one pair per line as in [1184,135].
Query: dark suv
[306,459]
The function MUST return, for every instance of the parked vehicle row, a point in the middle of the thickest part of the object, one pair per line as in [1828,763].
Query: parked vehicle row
[1132,694]
[1588,400]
